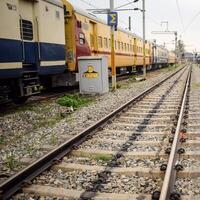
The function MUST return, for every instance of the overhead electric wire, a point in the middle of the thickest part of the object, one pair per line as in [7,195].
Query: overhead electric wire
[88,3]
[129,2]
[179,13]
[192,21]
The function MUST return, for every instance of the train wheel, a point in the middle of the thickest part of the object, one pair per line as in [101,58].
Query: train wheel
[20,100]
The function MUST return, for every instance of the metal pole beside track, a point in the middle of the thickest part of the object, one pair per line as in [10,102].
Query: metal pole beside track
[144,33]
[112,37]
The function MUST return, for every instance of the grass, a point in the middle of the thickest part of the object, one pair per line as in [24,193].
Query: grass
[118,85]
[132,78]
[2,139]
[30,150]
[196,85]
[169,68]
[103,157]
[53,139]
[47,122]
[74,101]
[11,161]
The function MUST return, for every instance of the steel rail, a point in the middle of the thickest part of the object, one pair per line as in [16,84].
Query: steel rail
[14,183]
[170,174]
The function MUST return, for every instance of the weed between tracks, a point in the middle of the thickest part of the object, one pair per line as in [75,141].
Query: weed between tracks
[169,68]
[196,85]
[1,139]
[11,162]
[103,157]
[74,101]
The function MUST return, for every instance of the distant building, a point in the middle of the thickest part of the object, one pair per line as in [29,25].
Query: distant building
[189,56]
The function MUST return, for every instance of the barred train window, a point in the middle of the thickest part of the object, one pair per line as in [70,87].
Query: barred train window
[105,42]
[118,45]
[26,29]
[100,42]
[81,38]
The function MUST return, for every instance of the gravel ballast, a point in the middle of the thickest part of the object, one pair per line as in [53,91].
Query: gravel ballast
[23,133]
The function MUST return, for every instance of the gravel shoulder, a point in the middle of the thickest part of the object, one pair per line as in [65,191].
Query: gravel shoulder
[25,132]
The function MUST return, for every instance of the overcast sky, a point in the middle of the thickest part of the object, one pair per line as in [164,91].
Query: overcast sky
[183,16]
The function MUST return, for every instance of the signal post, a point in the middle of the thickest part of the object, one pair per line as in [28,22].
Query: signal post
[112,22]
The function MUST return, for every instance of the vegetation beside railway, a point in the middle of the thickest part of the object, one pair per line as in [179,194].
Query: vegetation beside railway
[74,101]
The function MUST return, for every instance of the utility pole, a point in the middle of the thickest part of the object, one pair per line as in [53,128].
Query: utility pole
[112,32]
[129,21]
[144,40]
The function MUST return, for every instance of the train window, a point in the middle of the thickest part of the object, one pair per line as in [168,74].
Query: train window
[122,47]
[105,42]
[26,29]
[81,38]
[79,24]
[118,45]
[100,42]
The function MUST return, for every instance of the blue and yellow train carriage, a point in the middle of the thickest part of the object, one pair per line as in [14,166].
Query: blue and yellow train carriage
[30,48]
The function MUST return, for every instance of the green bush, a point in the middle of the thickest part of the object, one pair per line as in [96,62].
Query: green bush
[73,100]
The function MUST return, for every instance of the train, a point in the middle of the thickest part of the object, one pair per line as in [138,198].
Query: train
[41,41]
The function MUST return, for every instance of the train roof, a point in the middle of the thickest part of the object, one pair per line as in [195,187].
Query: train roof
[94,17]
[55,2]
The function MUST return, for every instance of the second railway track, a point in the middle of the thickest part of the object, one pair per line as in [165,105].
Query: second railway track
[123,156]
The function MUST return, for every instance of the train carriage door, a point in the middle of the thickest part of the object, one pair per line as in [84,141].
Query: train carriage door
[51,36]
[27,33]
[93,37]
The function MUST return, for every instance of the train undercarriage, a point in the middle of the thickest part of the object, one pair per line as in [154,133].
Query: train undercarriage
[19,90]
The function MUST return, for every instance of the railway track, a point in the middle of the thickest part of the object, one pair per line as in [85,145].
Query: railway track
[123,156]
[188,184]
